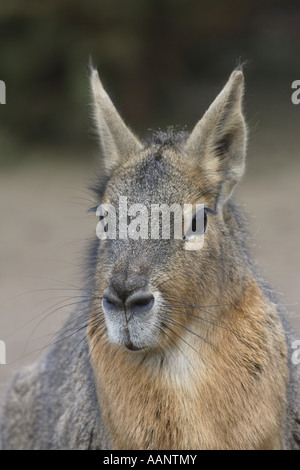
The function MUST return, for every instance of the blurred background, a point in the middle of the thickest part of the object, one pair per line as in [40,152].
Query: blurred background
[162,62]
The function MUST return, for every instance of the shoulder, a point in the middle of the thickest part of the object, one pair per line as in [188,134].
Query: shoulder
[53,404]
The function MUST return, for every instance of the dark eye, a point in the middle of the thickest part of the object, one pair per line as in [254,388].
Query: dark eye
[196,230]
[204,222]
[101,217]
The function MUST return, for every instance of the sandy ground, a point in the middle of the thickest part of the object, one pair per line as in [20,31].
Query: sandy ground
[45,226]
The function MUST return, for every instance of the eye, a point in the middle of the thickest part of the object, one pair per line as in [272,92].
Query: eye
[193,236]
[194,221]
[101,217]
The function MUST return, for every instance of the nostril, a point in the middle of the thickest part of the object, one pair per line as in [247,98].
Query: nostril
[137,303]
[111,302]
[140,302]
[107,304]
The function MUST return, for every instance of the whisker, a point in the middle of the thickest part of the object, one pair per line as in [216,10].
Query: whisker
[70,304]
[99,336]
[47,309]
[175,344]
[192,347]
[174,322]
[59,338]
[48,289]
[203,308]
[220,323]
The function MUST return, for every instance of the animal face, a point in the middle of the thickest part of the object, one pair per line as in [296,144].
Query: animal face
[151,286]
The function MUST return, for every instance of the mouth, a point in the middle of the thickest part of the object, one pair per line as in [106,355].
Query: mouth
[131,347]
[129,344]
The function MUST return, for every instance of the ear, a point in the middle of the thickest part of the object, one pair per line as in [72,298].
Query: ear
[116,140]
[218,142]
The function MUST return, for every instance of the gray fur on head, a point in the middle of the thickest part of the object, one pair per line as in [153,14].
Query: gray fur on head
[175,349]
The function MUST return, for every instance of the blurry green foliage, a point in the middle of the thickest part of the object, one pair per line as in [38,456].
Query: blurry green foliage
[154,57]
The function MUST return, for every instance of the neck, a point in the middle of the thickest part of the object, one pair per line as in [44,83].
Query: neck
[185,397]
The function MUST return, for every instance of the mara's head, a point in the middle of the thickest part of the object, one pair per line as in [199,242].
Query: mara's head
[167,237]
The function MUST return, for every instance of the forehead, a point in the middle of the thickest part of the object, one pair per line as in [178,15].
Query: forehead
[158,175]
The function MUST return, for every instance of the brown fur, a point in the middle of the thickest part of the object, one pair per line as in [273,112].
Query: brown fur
[175,345]
[230,396]
[214,380]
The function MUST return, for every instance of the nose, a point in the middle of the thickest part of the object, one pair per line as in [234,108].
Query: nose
[139,302]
